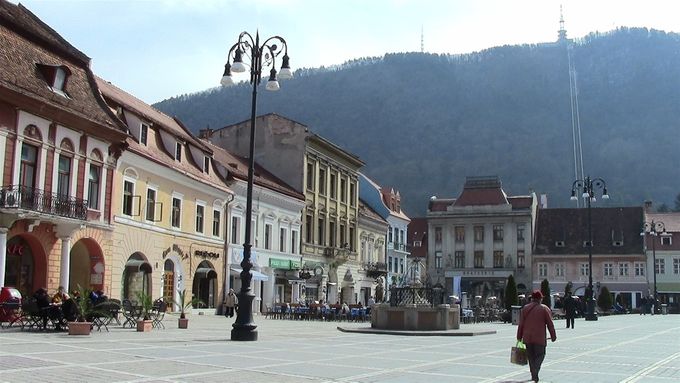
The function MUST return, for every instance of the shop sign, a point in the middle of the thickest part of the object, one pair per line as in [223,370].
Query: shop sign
[276,263]
[294,265]
[483,273]
[207,254]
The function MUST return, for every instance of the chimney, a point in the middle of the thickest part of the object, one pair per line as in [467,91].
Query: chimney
[544,201]
[648,206]
[205,133]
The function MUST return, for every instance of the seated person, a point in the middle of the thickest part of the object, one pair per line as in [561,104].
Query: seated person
[345,308]
[47,310]
[69,310]
[60,296]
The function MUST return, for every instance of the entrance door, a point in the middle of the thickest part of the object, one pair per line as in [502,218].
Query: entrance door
[169,283]
[279,297]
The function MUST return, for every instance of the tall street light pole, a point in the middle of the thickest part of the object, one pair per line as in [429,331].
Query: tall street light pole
[261,55]
[588,186]
[654,229]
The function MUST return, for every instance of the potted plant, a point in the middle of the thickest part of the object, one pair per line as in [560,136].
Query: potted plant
[144,324]
[183,322]
[85,311]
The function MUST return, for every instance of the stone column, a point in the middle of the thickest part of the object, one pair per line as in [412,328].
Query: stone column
[3,254]
[268,293]
[65,263]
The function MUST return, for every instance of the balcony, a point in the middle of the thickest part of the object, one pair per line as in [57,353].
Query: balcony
[36,200]
[375,269]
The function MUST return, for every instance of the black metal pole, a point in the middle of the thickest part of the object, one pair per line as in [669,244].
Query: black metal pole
[654,259]
[590,314]
[244,327]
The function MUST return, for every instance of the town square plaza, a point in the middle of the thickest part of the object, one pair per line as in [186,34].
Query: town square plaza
[621,348]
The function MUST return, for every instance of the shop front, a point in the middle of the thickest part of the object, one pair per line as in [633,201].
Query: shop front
[87,265]
[25,264]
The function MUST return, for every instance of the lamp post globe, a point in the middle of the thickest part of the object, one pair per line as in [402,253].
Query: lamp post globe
[654,229]
[587,188]
[261,55]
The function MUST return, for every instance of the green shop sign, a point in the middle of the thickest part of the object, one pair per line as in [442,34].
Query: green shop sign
[279,263]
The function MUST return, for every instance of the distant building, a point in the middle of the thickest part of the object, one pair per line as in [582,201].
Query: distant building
[561,251]
[666,250]
[327,176]
[477,240]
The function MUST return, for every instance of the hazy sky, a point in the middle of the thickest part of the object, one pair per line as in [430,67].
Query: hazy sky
[156,49]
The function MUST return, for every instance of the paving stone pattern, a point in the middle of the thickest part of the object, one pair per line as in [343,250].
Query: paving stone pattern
[624,348]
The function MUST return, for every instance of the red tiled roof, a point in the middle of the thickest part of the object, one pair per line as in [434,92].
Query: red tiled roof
[521,202]
[440,204]
[26,41]
[238,168]
[417,231]
[482,191]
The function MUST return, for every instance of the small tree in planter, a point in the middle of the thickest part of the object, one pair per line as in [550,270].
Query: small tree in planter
[184,305]
[85,311]
[604,300]
[146,303]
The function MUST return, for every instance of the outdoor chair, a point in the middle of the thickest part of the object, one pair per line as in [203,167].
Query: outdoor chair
[158,314]
[129,313]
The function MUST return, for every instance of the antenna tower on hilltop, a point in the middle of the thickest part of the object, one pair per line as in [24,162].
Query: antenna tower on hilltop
[422,40]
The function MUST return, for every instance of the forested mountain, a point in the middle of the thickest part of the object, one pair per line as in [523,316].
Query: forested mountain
[422,122]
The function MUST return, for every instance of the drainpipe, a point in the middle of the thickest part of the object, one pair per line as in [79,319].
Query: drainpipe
[227,222]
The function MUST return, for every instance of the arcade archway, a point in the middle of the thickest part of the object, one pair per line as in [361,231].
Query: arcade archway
[136,277]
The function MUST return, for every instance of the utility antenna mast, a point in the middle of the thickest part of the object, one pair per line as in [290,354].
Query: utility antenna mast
[573,99]
[422,40]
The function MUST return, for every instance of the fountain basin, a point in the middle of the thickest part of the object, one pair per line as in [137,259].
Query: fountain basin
[415,317]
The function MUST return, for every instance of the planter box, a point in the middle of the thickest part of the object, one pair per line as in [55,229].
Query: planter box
[183,322]
[79,328]
[144,325]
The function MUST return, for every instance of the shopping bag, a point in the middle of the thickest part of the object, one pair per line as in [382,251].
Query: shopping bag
[518,354]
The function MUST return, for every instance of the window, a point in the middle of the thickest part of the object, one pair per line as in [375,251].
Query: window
[587,244]
[438,260]
[460,233]
[584,269]
[128,193]
[343,235]
[176,214]
[93,184]
[309,238]
[520,232]
[559,270]
[437,236]
[321,233]
[282,239]
[542,270]
[389,264]
[352,194]
[343,190]
[401,265]
[676,266]
[217,216]
[144,134]
[64,176]
[293,241]
[322,181]
[352,234]
[639,269]
[623,269]
[396,265]
[267,236]
[479,233]
[331,234]
[178,151]
[60,76]
[608,270]
[666,240]
[55,76]
[333,186]
[479,259]
[150,204]
[389,234]
[660,267]
[459,260]
[310,176]
[497,232]
[520,259]
[498,259]
[29,164]
[235,229]
[206,165]
[200,212]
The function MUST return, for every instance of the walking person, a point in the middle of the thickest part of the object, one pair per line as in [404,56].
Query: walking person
[569,309]
[231,301]
[534,318]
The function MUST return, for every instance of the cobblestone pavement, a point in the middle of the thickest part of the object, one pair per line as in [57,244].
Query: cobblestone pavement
[624,348]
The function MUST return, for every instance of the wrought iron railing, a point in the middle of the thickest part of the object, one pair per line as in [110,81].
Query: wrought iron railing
[28,198]
[375,269]
[422,296]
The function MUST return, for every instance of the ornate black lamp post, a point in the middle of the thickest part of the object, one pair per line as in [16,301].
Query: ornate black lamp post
[261,55]
[654,229]
[587,186]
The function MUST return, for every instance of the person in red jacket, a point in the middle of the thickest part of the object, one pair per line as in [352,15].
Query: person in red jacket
[533,320]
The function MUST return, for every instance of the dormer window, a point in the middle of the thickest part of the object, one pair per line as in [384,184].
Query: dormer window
[144,134]
[178,151]
[206,165]
[56,77]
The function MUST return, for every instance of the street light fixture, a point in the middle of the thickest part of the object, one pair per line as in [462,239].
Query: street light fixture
[261,55]
[587,188]
[654,229]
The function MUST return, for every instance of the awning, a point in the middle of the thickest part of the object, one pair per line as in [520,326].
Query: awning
[258,276]
[138,265]
[205,272]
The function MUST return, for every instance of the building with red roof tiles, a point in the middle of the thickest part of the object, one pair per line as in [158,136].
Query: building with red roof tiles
[327,176]
[662,252]
[60,145]
[476,241]
[170,208]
